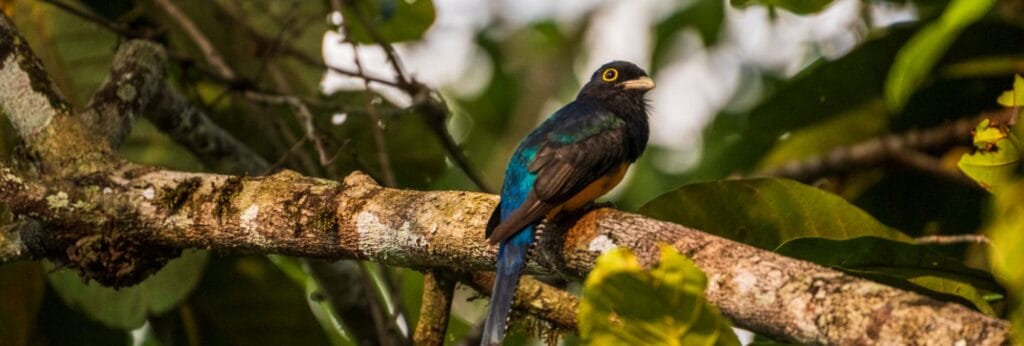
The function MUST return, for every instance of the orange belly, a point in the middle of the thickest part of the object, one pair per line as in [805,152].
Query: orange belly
[599,187]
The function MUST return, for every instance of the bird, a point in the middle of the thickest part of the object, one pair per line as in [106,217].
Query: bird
[580,152]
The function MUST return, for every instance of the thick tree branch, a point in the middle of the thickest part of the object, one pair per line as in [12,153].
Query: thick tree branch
[39,113]
[295,215]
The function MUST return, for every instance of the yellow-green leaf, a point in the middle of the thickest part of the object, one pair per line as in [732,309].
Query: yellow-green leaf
[994,162]
[1007,254]
[626,305]
[1015,96]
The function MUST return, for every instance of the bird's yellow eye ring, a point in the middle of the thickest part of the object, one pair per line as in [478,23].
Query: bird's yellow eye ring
[610,74]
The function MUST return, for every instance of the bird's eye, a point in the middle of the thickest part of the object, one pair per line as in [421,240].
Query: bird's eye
[610,74]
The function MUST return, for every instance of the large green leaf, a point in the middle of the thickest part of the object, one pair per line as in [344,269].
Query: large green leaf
[127,308]
[394,20]
[626,305]
[795,6]
[1007,252]
[765,212]
[922,52]
[911,266]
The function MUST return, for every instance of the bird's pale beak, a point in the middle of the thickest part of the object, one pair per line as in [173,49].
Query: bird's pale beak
[642,83]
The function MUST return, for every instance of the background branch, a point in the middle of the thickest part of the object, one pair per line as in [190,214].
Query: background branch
[902,149]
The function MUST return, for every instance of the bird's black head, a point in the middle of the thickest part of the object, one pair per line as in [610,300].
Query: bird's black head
[618,86]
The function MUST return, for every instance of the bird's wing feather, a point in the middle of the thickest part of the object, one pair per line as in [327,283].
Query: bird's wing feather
[565,167]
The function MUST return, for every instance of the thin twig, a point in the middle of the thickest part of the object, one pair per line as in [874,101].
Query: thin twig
[405,83]
[212,55]
[953,239]
[304,116]
[426,101]
[117,28]
[924,163]
[377,122]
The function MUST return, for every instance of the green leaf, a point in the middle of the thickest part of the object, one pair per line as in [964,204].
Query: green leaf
[625,305]
[1008,250]
[915,60]
[319,303]
[917,267]
[795,6]
[128,308]
[765,212]
[1015,96]
[332,325]
[394,20]
[996,158]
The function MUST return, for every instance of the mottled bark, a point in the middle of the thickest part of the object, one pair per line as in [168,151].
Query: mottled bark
[548,303]
[432,326]
[295,215]
[136,76]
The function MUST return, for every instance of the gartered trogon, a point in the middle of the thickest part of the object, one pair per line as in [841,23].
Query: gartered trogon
[578,154]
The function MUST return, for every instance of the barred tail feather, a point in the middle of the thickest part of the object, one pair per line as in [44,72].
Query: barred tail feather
[511,259]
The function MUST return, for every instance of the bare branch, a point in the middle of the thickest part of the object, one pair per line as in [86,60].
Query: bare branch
[889,148]
[435,309]
[953,239]
[213,57]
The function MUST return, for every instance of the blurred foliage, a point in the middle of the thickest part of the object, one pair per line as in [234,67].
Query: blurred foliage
[1008,248]
[916,59]
[623,304]
[955,61]
[795,6]
[22,286]
[392,20]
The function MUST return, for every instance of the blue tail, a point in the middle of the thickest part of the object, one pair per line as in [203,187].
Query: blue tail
[511,259]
